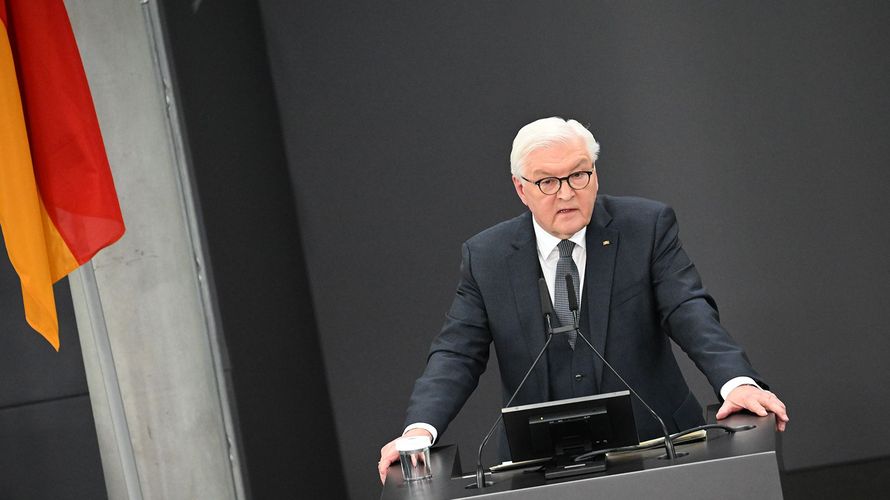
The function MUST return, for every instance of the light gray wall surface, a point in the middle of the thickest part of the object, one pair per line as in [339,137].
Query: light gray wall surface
[148,284]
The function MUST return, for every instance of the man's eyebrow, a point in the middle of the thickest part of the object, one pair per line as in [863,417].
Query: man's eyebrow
[581,162]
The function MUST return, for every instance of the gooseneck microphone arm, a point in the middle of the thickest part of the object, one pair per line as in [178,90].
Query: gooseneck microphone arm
[573,306]
[547,309]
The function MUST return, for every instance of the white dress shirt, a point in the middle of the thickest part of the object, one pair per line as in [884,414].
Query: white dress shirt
[548,256]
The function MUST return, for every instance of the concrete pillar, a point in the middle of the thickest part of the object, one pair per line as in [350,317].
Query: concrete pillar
[146,325]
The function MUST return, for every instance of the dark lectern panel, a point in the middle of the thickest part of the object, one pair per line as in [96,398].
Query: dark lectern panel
[725,466]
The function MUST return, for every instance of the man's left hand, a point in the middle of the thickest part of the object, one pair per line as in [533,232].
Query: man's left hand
[755,400]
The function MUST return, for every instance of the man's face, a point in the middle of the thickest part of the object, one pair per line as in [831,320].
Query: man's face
[566,212]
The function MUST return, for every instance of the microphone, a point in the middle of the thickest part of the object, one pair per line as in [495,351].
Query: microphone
[547,310]
[573,306]
[546,303]
[544,294]
[573,299]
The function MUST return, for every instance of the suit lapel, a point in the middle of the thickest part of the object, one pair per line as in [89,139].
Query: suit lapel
[525,290]
[602,247]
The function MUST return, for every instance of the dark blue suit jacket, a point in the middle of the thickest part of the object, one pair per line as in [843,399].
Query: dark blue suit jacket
[640,291]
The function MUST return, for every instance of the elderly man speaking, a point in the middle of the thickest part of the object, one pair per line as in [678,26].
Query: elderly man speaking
[638,290]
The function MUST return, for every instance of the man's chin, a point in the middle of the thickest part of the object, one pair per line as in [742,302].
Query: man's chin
[564,225]
[570,222]
[565,231]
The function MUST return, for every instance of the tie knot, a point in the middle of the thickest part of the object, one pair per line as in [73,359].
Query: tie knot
[565,248]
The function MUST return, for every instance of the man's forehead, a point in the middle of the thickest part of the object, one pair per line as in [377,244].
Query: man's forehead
[559,151]
[558,165]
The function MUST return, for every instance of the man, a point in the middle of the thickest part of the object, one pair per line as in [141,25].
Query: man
[639,291]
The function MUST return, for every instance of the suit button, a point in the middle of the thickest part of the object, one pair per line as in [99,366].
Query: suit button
[578,377]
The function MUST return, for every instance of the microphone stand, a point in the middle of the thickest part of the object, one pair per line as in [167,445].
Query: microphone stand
[480,470]
[547,309]
[671,454]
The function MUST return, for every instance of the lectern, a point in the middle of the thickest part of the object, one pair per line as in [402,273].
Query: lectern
[726,466]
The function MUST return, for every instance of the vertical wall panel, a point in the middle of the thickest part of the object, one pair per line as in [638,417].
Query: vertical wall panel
[158,408]
[253,240]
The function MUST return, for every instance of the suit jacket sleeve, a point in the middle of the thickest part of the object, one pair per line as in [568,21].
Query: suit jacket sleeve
[688,313]
[457,357]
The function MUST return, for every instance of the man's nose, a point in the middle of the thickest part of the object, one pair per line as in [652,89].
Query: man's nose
[565,191]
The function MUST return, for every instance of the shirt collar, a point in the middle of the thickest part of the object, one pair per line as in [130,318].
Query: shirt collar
[547,242]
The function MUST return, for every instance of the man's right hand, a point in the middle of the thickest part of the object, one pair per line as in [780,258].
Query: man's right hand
[389,454]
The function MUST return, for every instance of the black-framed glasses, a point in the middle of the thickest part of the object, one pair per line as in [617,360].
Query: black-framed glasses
[552,185]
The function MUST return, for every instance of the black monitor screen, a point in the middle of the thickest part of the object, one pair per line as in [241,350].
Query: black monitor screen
[570,427]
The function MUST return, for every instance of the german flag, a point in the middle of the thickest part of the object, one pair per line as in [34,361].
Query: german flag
[58,206]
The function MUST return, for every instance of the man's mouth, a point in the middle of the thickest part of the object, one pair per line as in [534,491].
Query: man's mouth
[565,210]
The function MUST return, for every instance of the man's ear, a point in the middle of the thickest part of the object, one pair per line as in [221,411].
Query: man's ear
[520,189]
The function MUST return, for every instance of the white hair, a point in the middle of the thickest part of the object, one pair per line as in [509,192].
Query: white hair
[546,132]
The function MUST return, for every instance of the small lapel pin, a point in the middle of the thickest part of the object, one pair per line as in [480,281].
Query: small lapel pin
[606,243]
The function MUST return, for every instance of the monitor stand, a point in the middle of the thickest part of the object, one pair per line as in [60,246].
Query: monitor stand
[565,466]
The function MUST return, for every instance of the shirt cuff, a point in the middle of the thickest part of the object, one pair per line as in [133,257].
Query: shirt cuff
[732,384]
[427,427]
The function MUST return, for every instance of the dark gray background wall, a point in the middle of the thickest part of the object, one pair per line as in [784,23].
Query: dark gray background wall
[253,241]
[764,125]
[48,445]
